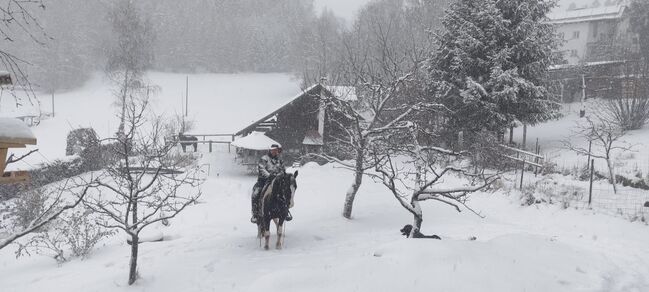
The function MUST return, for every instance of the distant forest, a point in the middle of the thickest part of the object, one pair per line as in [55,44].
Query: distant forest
[197,36]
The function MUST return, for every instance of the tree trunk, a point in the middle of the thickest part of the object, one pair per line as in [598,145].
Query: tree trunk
[418,217]
[611,173]
[358,179]
[524,136]
[122,117]
[132,275]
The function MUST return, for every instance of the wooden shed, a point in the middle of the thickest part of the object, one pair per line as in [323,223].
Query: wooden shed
[13,134]
[303,124]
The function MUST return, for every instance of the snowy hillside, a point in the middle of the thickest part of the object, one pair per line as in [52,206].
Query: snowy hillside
[218,104]
[213,247]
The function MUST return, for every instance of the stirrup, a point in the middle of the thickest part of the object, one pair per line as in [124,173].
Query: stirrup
[253,219]
[289,217]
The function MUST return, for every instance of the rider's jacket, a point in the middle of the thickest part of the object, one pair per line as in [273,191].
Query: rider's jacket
[270,166]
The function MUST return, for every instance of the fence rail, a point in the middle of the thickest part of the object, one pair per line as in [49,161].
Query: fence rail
[187,142]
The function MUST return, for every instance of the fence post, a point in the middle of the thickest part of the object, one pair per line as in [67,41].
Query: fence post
[210,146]
[522,172]
[590,145]
[537,148]
[590,190]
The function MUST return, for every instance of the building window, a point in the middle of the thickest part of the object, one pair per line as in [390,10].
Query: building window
[574,53]
[575,34]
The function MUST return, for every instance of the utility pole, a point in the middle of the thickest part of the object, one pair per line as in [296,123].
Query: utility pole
[582,111]
[187,96]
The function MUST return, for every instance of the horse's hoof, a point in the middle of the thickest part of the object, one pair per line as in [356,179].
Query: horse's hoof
[266,247]
[279,246]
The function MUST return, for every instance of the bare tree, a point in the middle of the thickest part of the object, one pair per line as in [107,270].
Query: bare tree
[630,109]
[148,183]
[415,173]
[18,21]
[604,134]
[381,58]
[132,53]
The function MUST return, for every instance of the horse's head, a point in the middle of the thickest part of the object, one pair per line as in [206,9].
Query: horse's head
[285,186]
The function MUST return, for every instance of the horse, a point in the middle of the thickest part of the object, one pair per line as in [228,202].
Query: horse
[276,200]
[188,141]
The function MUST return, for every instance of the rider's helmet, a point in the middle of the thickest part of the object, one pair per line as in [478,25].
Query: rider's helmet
[275,147]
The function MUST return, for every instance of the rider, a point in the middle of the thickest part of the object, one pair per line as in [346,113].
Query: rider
[270,165]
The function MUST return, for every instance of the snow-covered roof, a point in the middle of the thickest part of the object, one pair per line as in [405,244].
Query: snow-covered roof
[300,95]
[588,64]
[345,93]
[570,11]
[255,141]
[312,137]
[14,131]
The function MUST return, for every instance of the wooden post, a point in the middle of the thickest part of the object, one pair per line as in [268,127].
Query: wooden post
[582,110]
[590,145]
[562,92]
[511,135]
[536,159]
[522,173]
[3,158]
[460,139]
[52,104]
[187,96]
[210,146]
[590,190]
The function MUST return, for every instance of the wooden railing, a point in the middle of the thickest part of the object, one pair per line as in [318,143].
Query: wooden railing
[188,143]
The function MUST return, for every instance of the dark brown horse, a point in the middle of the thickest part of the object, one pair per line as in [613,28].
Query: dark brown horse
[276,200]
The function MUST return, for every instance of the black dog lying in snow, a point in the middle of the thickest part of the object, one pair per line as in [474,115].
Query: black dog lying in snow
[408,228]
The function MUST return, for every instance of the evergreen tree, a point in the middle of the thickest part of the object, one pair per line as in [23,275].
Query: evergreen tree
[492,59]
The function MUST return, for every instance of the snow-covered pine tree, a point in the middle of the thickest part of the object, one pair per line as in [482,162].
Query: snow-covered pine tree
[489,67]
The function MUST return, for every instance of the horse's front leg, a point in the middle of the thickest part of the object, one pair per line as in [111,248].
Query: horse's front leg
[280,233]
[266,232]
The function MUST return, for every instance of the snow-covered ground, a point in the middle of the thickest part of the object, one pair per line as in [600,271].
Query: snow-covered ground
[551,136]
[213,247]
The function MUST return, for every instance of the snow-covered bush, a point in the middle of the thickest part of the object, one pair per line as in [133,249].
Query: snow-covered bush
[71,236]
[80,140]
[28,207]
[548,190]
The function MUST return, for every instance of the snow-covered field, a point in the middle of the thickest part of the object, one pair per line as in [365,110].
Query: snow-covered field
[218,104]
[213,247]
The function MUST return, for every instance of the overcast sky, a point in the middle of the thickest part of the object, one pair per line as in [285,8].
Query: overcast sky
[343,8]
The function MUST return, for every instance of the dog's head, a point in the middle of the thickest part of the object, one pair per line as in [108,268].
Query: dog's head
[405,231]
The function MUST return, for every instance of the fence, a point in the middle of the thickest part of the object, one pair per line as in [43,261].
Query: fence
[628,203]
[215,139]
[598,194]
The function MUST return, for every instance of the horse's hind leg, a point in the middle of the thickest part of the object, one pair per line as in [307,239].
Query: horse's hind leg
[278,245]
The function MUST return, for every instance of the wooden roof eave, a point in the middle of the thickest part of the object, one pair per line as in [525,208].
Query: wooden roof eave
[305,93]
